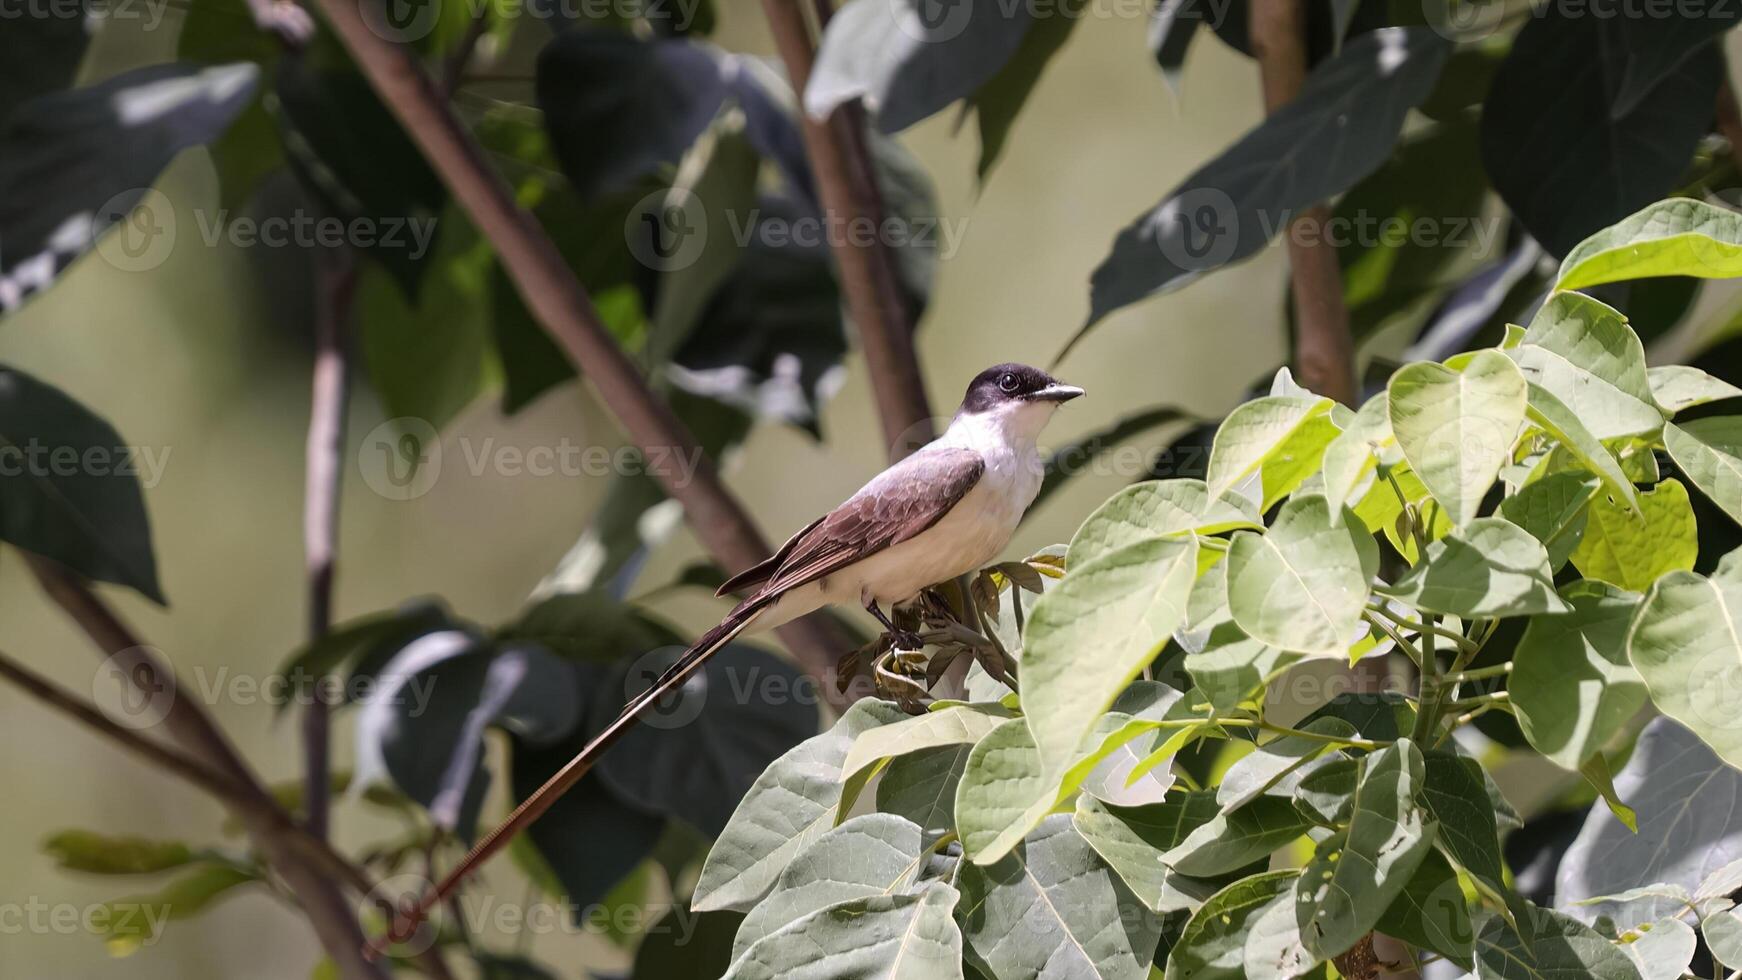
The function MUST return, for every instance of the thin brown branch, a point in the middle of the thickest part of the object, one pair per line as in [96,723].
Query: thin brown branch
[334,920]
[1324,349]
[840,158]
[323,472]
[561,306]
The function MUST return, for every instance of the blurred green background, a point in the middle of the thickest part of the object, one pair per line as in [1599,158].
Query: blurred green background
[189,361]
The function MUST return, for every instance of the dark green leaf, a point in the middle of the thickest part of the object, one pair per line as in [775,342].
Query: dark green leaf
[68,486]
[74,163]
[1456,795]
[908,61]
[687,945]
[1552,945]
[1214,942]
[697,751]
[39,55]
[1337,130]
[998,101]
[1609,144]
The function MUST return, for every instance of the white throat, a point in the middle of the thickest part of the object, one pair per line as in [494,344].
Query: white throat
[1010,426]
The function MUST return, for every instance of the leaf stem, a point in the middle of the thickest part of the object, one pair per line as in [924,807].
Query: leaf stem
[1352,742]
[1480,673]
[1396,637]
[1462,642]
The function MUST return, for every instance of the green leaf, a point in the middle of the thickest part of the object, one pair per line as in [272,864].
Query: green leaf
[1553,510]
[1633,550]
[1355,875]
[1339,128]
[1276,427]
[1584,353]
[374,637]
[1053,907]
[1678,387]
[94,853]
[792,803]
[1621,134]
[892,936]
[1124,605]
[1273,949]
[1276,766]
[1677,237]
[1685,643]
[1458,799]
[68,489]
[129,923]
[1552,416]
[1554,945]
[1490,568]
[1132,839]
[1572,687]
[1431,912]
[1236,838]
[1709,451]
[77,162]
[1456,428]
[1302,586]
[1596,772]
[1661,950]
[962,725]
[1227,665]
[685,945]
[1353,456]
[867,856]
[427,350]
[1006,791]
[1325,794]
[1212,947]
[1723,931]
[907,64]
[998,102]
[1689,829]
[922,787]
[1157,508]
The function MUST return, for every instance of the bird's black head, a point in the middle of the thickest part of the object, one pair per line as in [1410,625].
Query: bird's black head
[1006,383]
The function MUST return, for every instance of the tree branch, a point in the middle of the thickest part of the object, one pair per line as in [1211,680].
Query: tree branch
[323,473]
[334,919]
[1324,350]
[840,158]
[561,306]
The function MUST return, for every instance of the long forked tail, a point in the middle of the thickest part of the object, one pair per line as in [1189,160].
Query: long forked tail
[407,919]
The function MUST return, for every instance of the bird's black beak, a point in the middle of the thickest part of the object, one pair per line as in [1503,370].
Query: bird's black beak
[1058,391]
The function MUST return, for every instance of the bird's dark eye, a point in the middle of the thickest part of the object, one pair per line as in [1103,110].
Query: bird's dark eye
[1009,383]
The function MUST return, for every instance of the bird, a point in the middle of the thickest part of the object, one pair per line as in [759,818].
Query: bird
[947,509]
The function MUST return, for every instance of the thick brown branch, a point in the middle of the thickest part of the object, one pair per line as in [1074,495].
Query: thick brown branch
[1324,349]
[841,160]
[334,919]
[562,307]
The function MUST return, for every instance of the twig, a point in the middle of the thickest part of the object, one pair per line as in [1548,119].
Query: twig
[840,157]
[1324,348]
[333,919]
[323,472]
[1351,741]
[562,308]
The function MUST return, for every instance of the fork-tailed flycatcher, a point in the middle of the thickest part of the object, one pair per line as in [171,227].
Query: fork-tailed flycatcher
[945,510]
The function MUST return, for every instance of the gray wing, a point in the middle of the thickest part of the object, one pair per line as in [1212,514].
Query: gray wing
[902,501]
